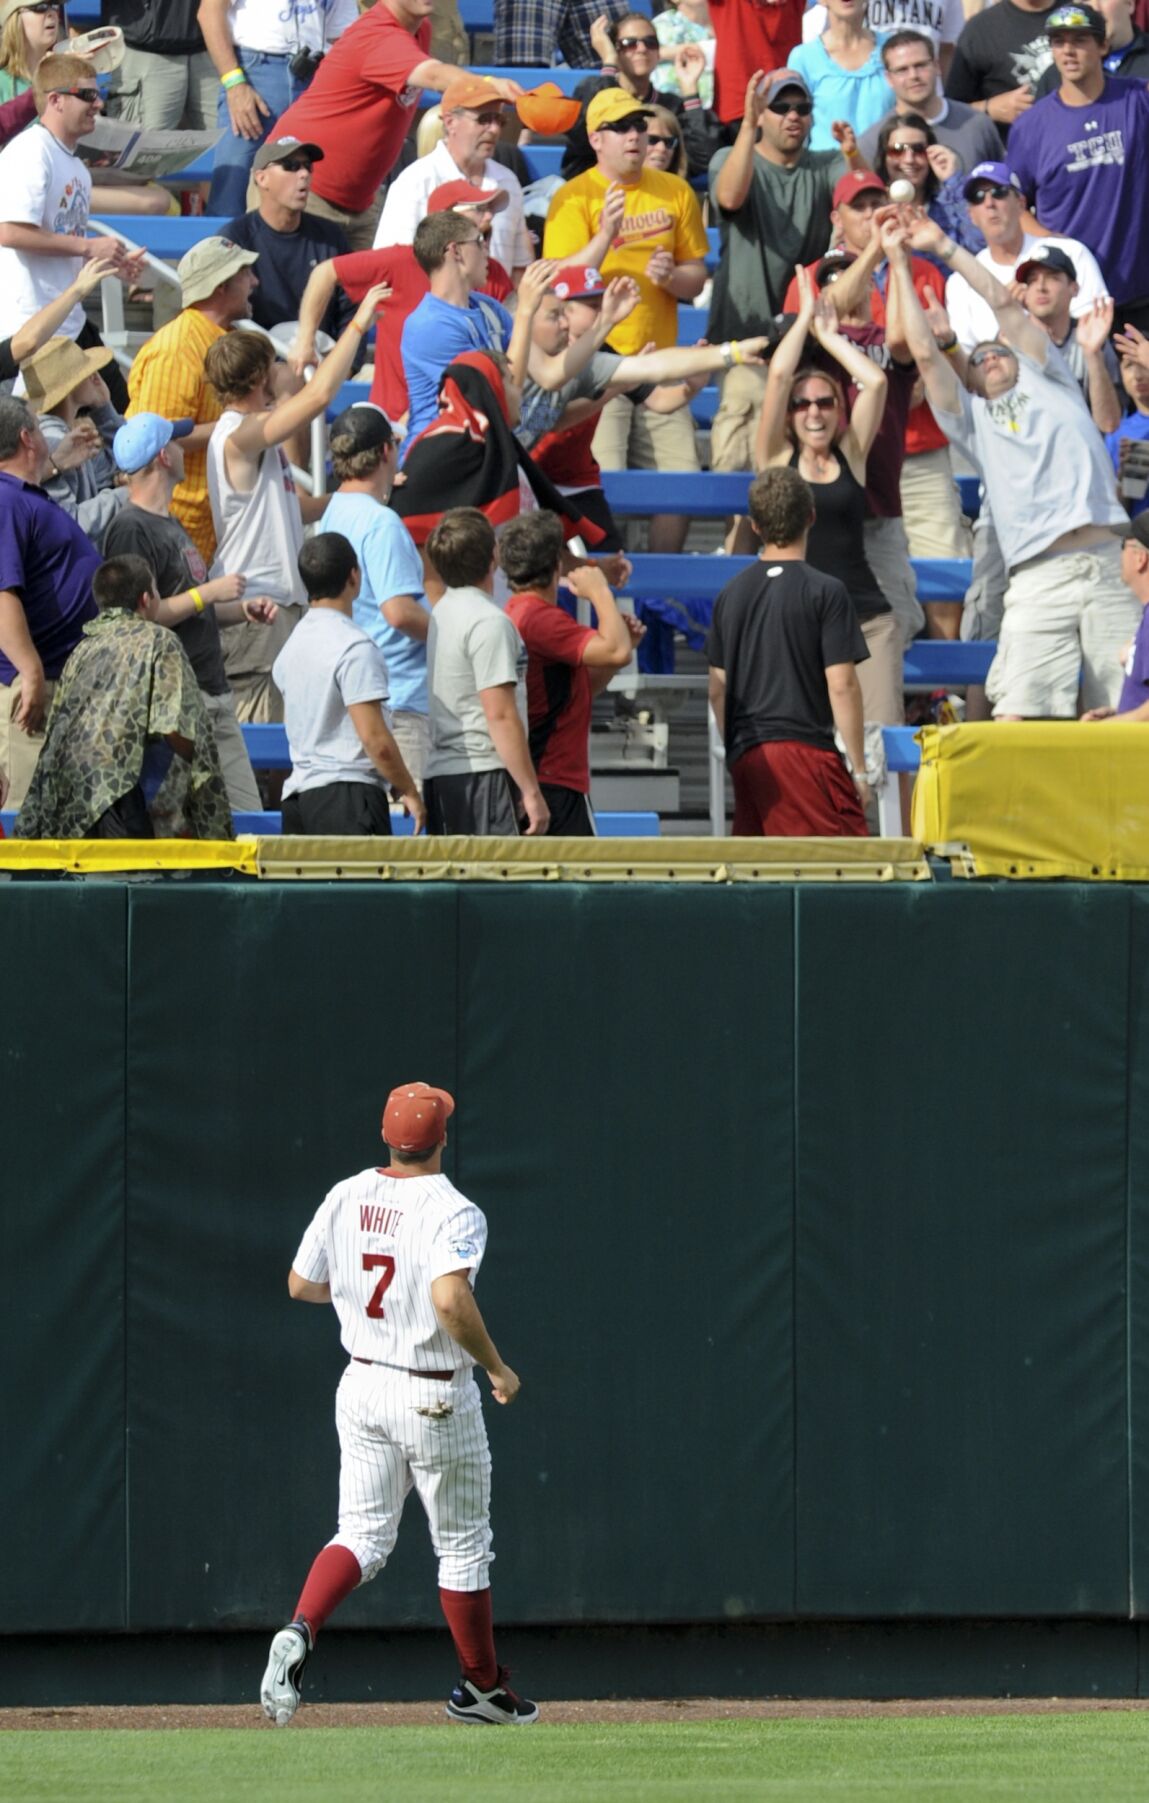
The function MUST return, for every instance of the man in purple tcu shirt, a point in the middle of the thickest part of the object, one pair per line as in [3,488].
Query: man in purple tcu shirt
[1133,702]
[1081,154]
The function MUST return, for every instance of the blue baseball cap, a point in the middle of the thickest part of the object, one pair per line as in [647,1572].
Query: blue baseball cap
[998,173]
[143,437]
[1077,18]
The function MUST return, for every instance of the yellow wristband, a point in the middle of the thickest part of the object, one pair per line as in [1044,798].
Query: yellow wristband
[951,350]
[234,78]
[198,601]
[736,351]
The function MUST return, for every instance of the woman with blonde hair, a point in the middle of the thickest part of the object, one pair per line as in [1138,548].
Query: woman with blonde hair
[665,144]
[805,425]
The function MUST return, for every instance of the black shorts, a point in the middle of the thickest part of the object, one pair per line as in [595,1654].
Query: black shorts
[480,801]
[127,818]
[339,811]
[571,816]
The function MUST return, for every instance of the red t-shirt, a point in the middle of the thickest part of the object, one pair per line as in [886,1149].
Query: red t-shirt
[558,691]
[751,34]
[566,456]
[359,107]
[395,264]
[922,430]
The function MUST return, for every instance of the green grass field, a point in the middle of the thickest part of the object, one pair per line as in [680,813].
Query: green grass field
[1099,1758]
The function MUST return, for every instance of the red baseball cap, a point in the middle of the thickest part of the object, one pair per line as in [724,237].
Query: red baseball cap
[578,281]
[415,1116]
[465,194]
[858,181]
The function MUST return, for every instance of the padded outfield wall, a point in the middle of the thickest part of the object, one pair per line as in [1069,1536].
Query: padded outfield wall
[818,1235]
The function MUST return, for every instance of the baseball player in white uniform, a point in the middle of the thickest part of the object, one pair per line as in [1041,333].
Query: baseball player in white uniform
[396,1252]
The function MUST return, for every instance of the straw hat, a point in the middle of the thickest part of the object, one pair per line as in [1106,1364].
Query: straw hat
[58,367]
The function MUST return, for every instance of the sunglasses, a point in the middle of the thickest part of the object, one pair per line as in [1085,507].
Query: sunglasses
[803,108]
[487,118]
[989,350]
[824,403]
[44,6]
[625,126]
[294,165]
[998,191]
[89,96]
[638,43]
[906,150]
[654,137]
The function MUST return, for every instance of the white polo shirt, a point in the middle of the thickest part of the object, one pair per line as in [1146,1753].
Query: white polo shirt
[406,205]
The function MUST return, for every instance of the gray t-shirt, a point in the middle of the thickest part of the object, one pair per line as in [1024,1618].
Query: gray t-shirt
[543,408]
[327,665]
[471,645]
[1043,461]
[971,135]
[784,220]
[1074,358]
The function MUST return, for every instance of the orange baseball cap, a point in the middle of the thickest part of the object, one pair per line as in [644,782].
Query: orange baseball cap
[471,90]
[415,1117]
[547,110]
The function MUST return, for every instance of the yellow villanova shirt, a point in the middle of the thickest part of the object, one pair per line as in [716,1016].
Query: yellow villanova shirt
[662,213]
[167,378]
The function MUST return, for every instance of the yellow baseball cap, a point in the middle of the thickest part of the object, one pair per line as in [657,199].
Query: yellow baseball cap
[611,104]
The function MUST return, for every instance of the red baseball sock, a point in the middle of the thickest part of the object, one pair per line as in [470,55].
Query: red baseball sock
[334,1575]
[468,1615]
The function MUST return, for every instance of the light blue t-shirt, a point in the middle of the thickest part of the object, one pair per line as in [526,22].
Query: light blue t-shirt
[433,336]
[1135,426]
[859,96]
[390,565]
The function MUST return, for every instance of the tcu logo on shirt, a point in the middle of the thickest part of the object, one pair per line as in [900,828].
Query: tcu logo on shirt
[1094,153]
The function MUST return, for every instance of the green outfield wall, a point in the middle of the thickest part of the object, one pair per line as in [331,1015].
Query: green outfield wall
[819,1228]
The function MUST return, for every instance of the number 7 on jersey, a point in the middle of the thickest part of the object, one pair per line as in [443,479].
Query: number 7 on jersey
[384,1262]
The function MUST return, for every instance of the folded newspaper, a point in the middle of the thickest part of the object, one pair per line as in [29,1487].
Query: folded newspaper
[113,148]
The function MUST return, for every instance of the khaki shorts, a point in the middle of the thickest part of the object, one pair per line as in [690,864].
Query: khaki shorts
[634,438]
[238,776]
[248,654]
[880,676]
[412,733]
[736,422]
[1065,621]
[888,556]
[931,507]
[19,750]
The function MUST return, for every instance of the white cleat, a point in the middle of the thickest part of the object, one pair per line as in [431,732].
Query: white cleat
[279,1692]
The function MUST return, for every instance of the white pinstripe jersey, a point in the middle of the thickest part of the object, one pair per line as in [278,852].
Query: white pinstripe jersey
[380,1241]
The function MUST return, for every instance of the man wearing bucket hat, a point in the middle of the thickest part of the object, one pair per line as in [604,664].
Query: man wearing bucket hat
[217,279]
[473,112]
[1080,158]
[396,1251]
[59,381]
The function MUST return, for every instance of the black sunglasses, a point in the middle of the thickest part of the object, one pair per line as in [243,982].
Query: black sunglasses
[44,6]
[803,108]
[998,191]
[638,43]
[989,350]
[293,165]
[825,403]
[89,96]
[623,126]
[656,137]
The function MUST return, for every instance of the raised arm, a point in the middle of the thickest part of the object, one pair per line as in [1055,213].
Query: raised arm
[732,183]
[1017,329]
[1093,329]
[943,390]
[315,300]
[870,382]
[28,338]
[770,441]
[259,431]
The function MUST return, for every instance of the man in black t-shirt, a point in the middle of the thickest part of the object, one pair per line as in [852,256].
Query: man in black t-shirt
[290,242]
[783,644]
[1001,56]
[146,448]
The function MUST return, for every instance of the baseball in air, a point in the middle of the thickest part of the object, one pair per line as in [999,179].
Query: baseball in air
[902,192]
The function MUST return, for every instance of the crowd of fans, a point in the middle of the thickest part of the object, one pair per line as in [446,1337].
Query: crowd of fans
[933,257]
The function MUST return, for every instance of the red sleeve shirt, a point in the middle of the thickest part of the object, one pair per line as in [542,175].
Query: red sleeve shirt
[395,264]
[558,691]
[359,106]
[751,34]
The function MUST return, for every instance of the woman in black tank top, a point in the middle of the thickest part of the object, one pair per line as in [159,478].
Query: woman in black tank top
[805,425]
